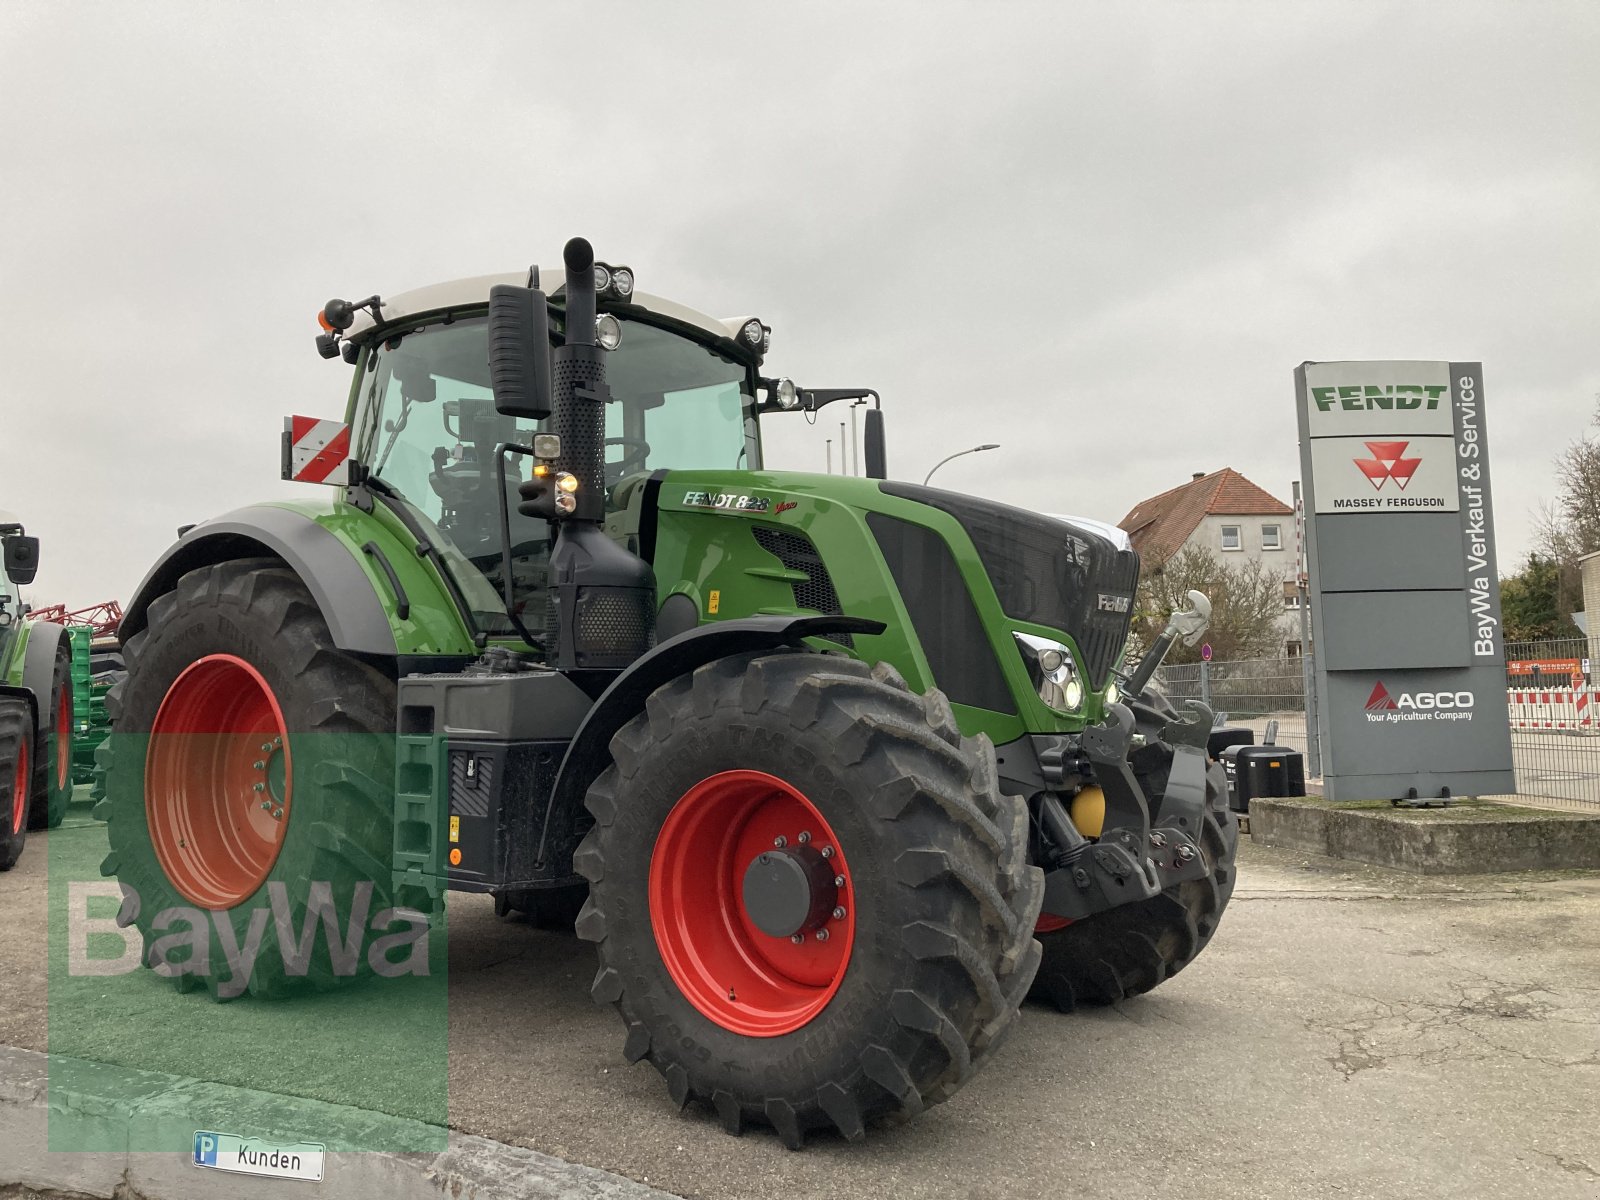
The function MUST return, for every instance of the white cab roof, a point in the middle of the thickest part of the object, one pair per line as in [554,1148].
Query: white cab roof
[459,293]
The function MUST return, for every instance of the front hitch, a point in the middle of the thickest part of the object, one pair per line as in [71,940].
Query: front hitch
[1141,850]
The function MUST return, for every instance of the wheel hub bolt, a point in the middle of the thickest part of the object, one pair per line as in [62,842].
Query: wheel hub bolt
[822,935]
[838,881]
[838,913]
[259,787]
[277,814]
[827,852]
[266,806]
[266,747]
[780,841]
[804,837]
[797,938]
[261,765]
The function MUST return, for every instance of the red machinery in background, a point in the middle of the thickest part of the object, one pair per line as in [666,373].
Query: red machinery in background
[102,618]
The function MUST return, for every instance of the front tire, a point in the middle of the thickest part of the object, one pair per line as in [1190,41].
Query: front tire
[912,943]
[250,756]
[16,777]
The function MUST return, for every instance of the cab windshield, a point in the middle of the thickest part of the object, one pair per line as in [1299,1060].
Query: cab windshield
[427,428]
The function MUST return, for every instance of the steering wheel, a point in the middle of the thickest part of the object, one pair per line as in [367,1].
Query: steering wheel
[636,453]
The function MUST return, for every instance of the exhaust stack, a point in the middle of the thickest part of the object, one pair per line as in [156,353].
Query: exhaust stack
[602,606]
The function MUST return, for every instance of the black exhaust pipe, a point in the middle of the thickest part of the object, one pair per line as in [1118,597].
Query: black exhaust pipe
[602,599]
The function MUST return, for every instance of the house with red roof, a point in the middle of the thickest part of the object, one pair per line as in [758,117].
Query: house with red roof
[1230,516]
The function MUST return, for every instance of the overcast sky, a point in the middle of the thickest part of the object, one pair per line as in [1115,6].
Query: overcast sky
[1102,235]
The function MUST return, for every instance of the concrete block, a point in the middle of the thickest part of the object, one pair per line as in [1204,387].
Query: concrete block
[1462,839]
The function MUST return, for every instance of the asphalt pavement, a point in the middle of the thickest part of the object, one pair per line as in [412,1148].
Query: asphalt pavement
[1349,1032]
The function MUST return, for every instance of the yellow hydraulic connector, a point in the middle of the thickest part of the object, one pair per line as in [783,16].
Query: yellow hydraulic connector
[1089,811]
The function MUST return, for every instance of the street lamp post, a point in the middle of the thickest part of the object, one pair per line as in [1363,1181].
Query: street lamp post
[958,454]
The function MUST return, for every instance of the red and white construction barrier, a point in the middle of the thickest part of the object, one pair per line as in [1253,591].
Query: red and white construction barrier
[316,451]
[1569,709]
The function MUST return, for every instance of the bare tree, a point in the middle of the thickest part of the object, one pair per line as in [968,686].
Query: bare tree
[1246,604]
[1569,528]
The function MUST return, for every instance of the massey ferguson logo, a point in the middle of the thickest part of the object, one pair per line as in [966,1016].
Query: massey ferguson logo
[1388,462]
[1383,705]
[1115,604]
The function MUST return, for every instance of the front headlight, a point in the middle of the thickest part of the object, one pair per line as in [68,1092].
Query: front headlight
[1053,671]
[1113,693]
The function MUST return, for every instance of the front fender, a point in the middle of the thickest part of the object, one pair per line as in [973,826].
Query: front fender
[619,703]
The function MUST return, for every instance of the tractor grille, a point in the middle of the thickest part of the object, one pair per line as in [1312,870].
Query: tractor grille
[1047,572]
[797,553]
[942,613]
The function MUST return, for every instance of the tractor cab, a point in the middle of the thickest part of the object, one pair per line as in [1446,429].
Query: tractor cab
[685,392]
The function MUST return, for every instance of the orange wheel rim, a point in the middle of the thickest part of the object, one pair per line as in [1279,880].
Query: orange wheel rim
[64,740]
[19,790]
[745,978]
[218,781]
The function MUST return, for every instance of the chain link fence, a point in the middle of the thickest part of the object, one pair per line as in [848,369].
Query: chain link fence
[1253,692]
[1552,695]
[1553,704]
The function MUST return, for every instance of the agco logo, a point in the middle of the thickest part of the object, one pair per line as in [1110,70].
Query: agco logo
[1387,462]
[1383,705]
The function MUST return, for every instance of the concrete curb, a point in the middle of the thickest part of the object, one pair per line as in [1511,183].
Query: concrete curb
[116,1109]
[1434,842]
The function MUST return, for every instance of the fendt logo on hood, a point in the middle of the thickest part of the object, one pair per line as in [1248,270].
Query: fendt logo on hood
[1383,705]
[1109,602]
[1388,462]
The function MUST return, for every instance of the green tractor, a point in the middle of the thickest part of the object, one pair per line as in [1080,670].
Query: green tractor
[833,771]
[36,706]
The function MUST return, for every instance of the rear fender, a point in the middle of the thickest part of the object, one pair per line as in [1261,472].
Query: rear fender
[354,596]
[39,664]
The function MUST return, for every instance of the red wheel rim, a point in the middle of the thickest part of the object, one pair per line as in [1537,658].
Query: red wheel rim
[20,789]
[743,979]
[217,781]
[64,740]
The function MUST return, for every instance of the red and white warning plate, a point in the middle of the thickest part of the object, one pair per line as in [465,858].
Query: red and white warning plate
[319,451]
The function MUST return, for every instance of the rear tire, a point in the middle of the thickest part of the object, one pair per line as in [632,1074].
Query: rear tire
[16,777]
[1127,951]
[52,786]
[237,706]
[925,969]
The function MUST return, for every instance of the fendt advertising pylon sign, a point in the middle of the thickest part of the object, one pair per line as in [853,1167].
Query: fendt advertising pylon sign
[1405,597]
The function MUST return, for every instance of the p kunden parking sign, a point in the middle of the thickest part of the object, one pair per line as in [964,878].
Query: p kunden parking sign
[252,1156]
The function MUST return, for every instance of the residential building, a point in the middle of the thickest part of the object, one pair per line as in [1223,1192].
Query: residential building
[1230,516]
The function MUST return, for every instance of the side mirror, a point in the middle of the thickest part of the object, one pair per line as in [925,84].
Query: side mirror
[22,559]
[519,351]
[876,452]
